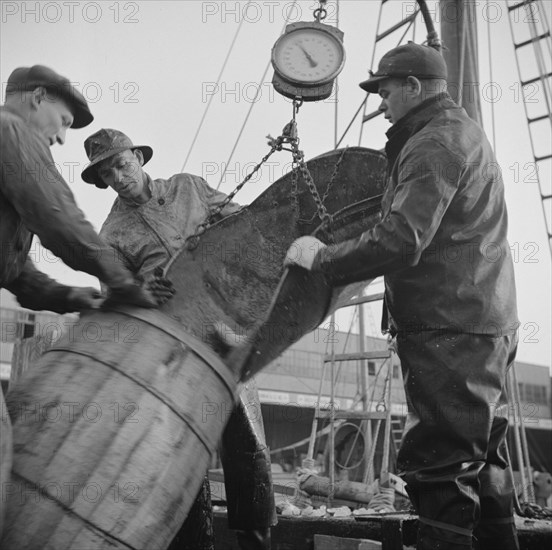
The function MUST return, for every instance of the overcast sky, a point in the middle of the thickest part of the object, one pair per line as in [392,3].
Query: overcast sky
[149,68]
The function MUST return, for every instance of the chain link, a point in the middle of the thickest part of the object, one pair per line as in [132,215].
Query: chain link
[331,181]
[294,193]
[334,175]
[193,240]
[299,159]
[294,189]
[289,136]
[321,12]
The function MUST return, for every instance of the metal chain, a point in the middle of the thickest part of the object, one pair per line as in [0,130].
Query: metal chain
[289,136]
[193,240]
[294,188]
[294,193]
[299,159]
[334,175]
[321,12]
[331,181]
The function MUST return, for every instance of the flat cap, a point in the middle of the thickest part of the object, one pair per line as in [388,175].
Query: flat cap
[25,79]
[407,60]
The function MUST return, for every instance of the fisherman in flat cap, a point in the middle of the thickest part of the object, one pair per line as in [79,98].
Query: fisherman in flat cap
[40,106]
[449,301]
[148,225]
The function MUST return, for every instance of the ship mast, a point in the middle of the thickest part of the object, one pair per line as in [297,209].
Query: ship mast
[459,34]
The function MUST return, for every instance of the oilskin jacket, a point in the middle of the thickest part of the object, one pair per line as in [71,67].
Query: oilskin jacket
[441,243]
[35,200]
[147,236]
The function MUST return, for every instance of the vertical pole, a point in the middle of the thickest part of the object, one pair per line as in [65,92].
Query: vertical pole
[524,446]
[387,428]
[6,455]
[309,461]
[331,473]
[459,34]
[513,406]
[336,113]
[365,383]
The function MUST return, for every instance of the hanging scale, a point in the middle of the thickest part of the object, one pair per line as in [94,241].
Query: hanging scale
[307,58]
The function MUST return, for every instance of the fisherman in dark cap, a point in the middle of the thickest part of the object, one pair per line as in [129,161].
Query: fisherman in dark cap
[40,106]
[449,300]
[148,225]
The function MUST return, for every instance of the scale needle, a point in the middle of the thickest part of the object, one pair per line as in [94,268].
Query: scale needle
[312,62]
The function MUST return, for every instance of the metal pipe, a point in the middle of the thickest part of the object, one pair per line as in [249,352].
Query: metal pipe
[517,441]
[432,35]
[459,32]
[331,473]
[524,446]
[387,428]
[365,384]
[462,56]
[314,428]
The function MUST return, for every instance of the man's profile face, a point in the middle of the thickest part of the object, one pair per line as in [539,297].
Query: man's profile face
[395,101]
[123,173]
[51,118]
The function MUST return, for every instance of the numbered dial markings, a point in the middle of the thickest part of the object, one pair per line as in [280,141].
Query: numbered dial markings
[308,56]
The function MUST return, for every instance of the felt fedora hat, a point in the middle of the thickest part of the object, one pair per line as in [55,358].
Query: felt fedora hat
[104,144]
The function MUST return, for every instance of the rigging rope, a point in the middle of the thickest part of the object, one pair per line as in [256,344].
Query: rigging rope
[362,104]
[370,464]
[541,64]
[208,106]
[411,25]
[314,433]
[336,113]
[463,34]
[489,48]
[252,103]
[371,65]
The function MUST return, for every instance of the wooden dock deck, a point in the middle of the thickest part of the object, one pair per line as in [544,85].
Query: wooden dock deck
[395,531]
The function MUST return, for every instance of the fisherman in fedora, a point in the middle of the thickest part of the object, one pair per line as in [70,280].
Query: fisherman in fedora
[40,106]
[148,225]
[449,301]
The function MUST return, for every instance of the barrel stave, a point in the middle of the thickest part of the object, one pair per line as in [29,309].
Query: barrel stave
[115,473]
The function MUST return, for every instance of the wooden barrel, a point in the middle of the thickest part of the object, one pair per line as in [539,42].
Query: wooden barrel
[113,430]
[5,456]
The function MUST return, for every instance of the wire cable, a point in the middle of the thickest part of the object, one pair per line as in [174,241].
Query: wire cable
[336,113]
[371,65]
[208,106]
[489,49]
[253,102]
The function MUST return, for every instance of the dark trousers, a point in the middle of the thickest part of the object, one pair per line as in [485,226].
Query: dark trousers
[453,453]
[247,479]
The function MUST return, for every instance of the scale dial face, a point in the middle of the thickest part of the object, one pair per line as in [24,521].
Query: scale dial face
[308,56]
